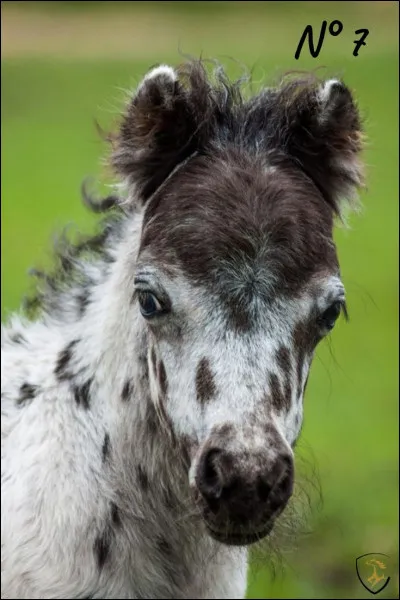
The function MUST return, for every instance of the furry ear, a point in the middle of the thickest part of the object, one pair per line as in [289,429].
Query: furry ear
[158,131]
[319,126]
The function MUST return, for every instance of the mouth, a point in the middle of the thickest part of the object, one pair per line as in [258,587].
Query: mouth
[240,539]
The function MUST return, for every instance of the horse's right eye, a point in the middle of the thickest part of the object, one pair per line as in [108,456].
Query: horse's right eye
[149,305]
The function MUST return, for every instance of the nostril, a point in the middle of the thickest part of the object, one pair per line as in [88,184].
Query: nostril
[263,490]
[210,480]
[283,487]
[231,489]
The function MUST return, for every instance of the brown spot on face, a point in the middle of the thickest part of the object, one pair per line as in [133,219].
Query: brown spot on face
[162,377]
[302,339]
[288,394]
[105,450]
[283,359]
[127,390]
[225,430]
[278,398]
[153,360]
[285,364]
[205,386]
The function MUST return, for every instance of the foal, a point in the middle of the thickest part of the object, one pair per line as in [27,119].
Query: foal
[149,412]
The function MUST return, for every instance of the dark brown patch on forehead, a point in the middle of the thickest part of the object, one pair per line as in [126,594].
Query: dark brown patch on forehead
[205,386]
[231,224]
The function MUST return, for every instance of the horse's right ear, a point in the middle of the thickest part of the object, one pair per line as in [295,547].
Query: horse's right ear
[158,131]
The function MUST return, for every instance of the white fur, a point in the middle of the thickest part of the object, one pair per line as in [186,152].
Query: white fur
[160,71]
[326,89]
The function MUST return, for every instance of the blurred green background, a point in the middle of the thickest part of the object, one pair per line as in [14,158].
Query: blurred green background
[65,64]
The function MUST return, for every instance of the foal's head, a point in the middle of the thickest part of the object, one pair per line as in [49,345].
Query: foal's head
[237,276]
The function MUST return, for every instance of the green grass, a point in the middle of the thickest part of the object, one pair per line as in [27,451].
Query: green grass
[49,144]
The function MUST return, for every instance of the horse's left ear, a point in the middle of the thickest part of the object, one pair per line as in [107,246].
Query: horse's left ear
[319,126]
[157,133]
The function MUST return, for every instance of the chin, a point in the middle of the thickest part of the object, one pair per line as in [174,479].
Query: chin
[239,538]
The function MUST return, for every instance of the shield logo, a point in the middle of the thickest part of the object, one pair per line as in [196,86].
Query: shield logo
[372,571]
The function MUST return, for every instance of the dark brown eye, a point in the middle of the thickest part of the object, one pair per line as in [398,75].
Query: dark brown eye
[149,305]
[328,318]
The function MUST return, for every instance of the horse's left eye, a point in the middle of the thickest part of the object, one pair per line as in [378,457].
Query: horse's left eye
[328,318]
[149,305]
